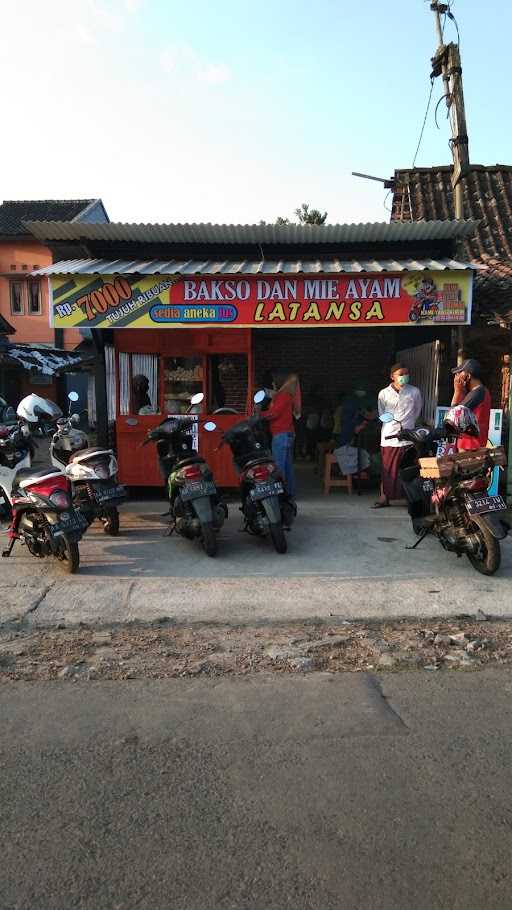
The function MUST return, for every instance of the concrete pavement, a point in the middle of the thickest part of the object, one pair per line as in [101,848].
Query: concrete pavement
[314,793]
[344,560]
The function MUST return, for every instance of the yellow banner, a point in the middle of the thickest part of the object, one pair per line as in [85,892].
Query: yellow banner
[163,301]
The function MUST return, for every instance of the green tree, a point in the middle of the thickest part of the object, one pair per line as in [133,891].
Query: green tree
[306,215]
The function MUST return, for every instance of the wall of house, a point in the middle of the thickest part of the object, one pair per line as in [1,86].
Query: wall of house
[19,257]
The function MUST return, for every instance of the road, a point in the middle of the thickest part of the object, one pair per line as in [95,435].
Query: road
[344,560]
[316,793]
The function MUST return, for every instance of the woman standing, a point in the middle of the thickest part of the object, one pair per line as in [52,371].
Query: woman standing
[286,404]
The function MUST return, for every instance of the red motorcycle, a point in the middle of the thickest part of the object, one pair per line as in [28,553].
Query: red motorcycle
[43,517]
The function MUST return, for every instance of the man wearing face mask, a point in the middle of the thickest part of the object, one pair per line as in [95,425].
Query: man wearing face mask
[404,401]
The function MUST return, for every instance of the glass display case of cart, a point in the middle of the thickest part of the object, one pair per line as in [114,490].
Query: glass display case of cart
[183,377]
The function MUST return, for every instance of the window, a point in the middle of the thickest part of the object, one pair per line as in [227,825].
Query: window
[228,382]
[16,298]
[34,297]
[138,384]
[183,378]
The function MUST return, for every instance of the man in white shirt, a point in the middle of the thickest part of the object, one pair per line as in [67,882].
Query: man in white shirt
[404,401]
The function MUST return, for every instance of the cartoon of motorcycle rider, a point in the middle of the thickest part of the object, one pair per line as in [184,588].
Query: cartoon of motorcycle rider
[426,300]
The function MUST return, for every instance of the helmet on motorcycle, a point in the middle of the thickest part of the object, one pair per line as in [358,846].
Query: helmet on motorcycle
[33,408]
[461,420]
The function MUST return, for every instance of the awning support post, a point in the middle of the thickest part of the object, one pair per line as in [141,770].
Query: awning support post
[100,386]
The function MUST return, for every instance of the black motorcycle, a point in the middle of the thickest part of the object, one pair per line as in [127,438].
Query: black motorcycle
[195,506]
[266,506]
[447,497]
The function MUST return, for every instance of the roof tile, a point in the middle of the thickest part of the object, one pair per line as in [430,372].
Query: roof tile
[14,212]
[426,194]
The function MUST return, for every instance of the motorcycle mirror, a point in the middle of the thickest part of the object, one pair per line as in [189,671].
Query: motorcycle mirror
[197,399]
[210,426]
[259,397]
[73,396]
[386,417]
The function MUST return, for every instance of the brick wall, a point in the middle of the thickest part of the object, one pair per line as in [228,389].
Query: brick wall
[328,361]
[490,345]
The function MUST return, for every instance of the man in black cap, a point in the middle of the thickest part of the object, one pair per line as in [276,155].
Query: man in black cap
[470,392]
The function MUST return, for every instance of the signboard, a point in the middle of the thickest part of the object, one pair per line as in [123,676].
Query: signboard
[159,301]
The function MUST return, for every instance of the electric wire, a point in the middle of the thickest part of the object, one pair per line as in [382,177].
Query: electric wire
[429,101]
[424,122]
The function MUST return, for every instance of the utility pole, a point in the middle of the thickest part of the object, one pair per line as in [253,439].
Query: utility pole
[446,63]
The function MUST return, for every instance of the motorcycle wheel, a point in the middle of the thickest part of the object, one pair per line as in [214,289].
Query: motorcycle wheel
[278,537]
[209,539]
[487,561]
[110,521]
[69,555]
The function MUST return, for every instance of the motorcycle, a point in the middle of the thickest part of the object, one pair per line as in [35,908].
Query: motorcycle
[92,472]
[195,506]
[447,497]
[39,503]
[7,413]
[16,452]
[266,506]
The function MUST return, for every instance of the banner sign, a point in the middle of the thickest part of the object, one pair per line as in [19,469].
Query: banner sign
[366,299]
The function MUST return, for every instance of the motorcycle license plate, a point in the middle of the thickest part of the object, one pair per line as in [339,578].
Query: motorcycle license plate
[262,490]
[479,505]
[103,494]
[69,523]
[196,490]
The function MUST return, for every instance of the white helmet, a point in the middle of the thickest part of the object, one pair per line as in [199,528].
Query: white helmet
[34,408]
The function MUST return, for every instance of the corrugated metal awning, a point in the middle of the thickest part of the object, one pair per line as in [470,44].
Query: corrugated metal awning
[244,267]
[394,232]
[45,360]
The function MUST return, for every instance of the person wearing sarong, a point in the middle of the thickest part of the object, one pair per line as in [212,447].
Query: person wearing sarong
[404,402]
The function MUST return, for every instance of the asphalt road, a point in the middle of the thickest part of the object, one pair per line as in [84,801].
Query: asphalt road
[306,792]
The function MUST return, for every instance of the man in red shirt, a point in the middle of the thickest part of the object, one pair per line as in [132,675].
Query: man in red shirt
[284,408]
[470,391]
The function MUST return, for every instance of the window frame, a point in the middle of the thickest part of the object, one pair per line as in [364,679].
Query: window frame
[20,283]
[34,282]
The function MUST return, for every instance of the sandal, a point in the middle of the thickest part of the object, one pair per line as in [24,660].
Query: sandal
[380,505]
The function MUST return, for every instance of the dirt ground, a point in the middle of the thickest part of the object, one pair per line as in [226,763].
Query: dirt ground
[165,650]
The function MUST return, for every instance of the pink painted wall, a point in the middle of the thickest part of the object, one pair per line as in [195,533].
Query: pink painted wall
[19,257]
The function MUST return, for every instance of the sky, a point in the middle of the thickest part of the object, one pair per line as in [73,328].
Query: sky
[234,111]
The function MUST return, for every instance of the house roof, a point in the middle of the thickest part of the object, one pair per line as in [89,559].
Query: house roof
[13,213]
[5,327]
[331,266]
[425,193]
[233,234]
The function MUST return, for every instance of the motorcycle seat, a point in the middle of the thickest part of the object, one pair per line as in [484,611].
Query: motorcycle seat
[263,459]
[84,454]
[25,476]
[193,459]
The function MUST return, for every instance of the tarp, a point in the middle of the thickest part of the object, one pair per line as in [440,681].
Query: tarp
[45,360]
